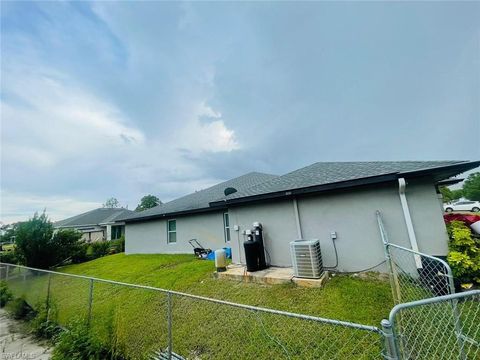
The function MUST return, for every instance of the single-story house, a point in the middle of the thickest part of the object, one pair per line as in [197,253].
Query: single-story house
[322,201]
[98,224]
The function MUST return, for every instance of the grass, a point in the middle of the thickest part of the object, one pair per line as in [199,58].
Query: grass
[343,297]
[135,321]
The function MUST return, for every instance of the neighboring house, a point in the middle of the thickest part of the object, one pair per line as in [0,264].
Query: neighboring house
[310,203]
[97,225]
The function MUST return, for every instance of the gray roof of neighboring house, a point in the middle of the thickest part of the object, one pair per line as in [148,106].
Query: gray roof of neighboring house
[94,217]
[321,176]
[201,199]
[323,173]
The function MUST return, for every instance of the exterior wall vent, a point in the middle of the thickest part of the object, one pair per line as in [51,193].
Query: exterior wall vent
[306,258]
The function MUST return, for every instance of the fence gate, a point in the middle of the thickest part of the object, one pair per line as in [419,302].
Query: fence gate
[414,275]
[445,327]
[429,321]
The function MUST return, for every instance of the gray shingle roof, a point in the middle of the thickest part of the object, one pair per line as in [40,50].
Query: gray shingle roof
[93,217]
[201,199]
[322,173]
[318,174]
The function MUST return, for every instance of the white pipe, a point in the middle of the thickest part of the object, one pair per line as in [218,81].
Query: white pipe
[402,184]
[297,219]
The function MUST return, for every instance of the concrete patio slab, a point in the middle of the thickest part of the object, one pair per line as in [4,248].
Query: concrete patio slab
[272,275]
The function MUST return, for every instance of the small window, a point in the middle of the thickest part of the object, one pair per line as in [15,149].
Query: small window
[226,224]
[172,231]
[117,232]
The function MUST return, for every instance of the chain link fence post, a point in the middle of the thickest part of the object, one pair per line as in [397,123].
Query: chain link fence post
[390,340]
[90,301]
[201,323]
[388,257]
[48,295]
[7,273]
[431,331]
[169,320]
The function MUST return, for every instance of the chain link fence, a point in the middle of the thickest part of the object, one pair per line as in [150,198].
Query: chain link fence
[445,327]
[142,322]
[429,321]
[414,275]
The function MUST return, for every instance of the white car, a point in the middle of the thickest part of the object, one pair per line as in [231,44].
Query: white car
[464,205]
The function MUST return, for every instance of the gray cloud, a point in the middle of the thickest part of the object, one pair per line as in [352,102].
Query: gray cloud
[125,99]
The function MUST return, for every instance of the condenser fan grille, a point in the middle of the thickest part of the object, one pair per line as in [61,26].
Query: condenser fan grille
[306,258]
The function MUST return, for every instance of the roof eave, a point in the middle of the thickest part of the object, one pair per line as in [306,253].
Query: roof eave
[74,226]
[113,222]
[448,182]
[442,172]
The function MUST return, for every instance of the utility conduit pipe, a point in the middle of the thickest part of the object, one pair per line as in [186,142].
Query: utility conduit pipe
[297,219]
[402,184]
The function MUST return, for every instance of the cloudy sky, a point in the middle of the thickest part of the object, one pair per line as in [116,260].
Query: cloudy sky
[125,99]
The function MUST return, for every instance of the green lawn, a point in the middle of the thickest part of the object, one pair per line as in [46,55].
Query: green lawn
[344,297]
[135,321]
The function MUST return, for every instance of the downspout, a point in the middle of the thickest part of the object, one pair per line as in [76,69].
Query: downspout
[297,218]
[402,184]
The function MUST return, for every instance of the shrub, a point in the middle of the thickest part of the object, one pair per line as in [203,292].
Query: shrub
[5,294]
[464,252]
[42,326]
[40,246]
[77,343]
[20,309]
[80,253]
[86,252]
[10,257]
[99,249]
[117,246]
[68,243]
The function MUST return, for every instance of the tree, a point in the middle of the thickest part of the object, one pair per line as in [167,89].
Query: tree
[147,202]
[457,194]
[38,245]
[9,233]
[450,195]
[446,194]
[111,203]
[471,187]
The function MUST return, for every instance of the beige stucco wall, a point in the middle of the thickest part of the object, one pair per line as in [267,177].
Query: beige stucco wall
[151,236]
[351,214]
[93,236]
[279,228]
